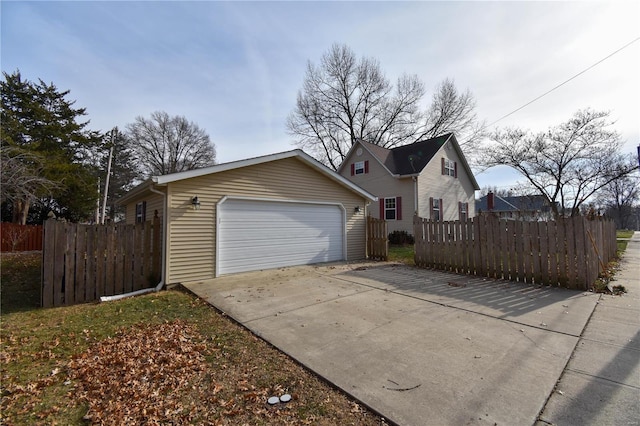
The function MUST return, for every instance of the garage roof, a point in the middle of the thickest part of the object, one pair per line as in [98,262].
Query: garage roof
[296,153]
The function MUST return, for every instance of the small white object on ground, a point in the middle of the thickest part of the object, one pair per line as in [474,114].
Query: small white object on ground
[285,398]
[273,400]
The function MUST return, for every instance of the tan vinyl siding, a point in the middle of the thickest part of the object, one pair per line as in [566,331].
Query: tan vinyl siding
[432,183]
[382,184]
[154,202]
[192,233]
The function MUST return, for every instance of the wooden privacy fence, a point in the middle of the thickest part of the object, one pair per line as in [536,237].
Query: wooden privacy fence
[15,237]
[81,263]
[377,239]
[569,252]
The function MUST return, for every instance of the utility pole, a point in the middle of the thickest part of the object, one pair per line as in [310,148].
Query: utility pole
[98,203]
[106,183]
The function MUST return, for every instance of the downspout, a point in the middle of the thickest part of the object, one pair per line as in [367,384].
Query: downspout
[415,195]
[164,258]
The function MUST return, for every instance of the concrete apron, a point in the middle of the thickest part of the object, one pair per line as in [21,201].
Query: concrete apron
[419,347]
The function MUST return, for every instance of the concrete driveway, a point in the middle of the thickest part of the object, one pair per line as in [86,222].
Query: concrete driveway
[417,346]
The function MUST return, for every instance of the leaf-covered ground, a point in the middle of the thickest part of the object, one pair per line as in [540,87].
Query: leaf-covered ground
[164,358]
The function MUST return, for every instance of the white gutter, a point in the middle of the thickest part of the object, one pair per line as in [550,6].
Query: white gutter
[164,256]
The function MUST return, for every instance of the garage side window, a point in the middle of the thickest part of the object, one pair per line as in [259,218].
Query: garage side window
[141,212]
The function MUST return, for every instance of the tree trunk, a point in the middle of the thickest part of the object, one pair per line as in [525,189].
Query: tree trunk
[20,211]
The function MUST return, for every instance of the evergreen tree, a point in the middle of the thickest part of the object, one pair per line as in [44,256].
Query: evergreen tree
[42,133]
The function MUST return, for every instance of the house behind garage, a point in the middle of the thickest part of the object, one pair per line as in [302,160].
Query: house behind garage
[266,212]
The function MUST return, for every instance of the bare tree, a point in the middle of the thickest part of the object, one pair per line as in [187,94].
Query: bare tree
[568,163]
[164,144]
[452,111]
[22,181]
[344,99]
[621,196]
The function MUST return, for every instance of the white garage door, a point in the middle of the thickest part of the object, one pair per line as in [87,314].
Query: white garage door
[257,235]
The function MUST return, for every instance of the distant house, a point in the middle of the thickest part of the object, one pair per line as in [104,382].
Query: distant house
[527,207]
[430,178]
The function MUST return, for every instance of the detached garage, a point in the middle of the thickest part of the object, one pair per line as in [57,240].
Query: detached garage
[267,212]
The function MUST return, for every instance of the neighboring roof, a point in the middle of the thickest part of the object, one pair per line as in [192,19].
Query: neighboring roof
[409,160]
[218,168]
[517,203]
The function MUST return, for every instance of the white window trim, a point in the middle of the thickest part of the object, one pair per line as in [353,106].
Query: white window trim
[358,168]
[464,211]
[395,208]
[449,167]
[140,212]
[436,209]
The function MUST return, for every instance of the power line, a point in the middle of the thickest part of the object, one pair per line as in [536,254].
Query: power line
[564,82]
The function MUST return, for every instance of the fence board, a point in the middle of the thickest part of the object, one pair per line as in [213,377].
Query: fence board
[581,246]
[543,233]
[464,248]
[48,266]
[571,255]
[552,248]
[535,252]
[511,249]
[101,260]
[90,266]
[80,264]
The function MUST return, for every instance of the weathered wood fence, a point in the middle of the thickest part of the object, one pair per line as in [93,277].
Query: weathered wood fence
[569,252]
[81,263]
[377,239]
[15,237]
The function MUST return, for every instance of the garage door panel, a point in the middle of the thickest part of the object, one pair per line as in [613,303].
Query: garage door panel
[262,234]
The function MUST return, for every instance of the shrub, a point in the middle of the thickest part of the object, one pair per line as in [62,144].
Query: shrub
[400,238]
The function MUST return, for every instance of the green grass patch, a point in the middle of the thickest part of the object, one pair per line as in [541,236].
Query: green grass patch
[402,254]
[622,234]
[38,349]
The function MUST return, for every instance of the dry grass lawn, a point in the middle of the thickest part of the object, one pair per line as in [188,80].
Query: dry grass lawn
[164,358]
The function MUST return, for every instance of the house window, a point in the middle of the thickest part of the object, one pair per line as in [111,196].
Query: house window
[360,167]
[464,211]
[390,208]
[449,167]
[436,208]
[141,212]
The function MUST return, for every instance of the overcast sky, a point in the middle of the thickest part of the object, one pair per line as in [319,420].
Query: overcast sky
[234,68]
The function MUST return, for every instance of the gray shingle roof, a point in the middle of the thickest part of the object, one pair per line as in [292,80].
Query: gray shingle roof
[408,159]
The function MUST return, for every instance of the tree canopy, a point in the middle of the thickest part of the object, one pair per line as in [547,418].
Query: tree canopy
[165,144]
[47,146]
[568,163]
[344,99]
